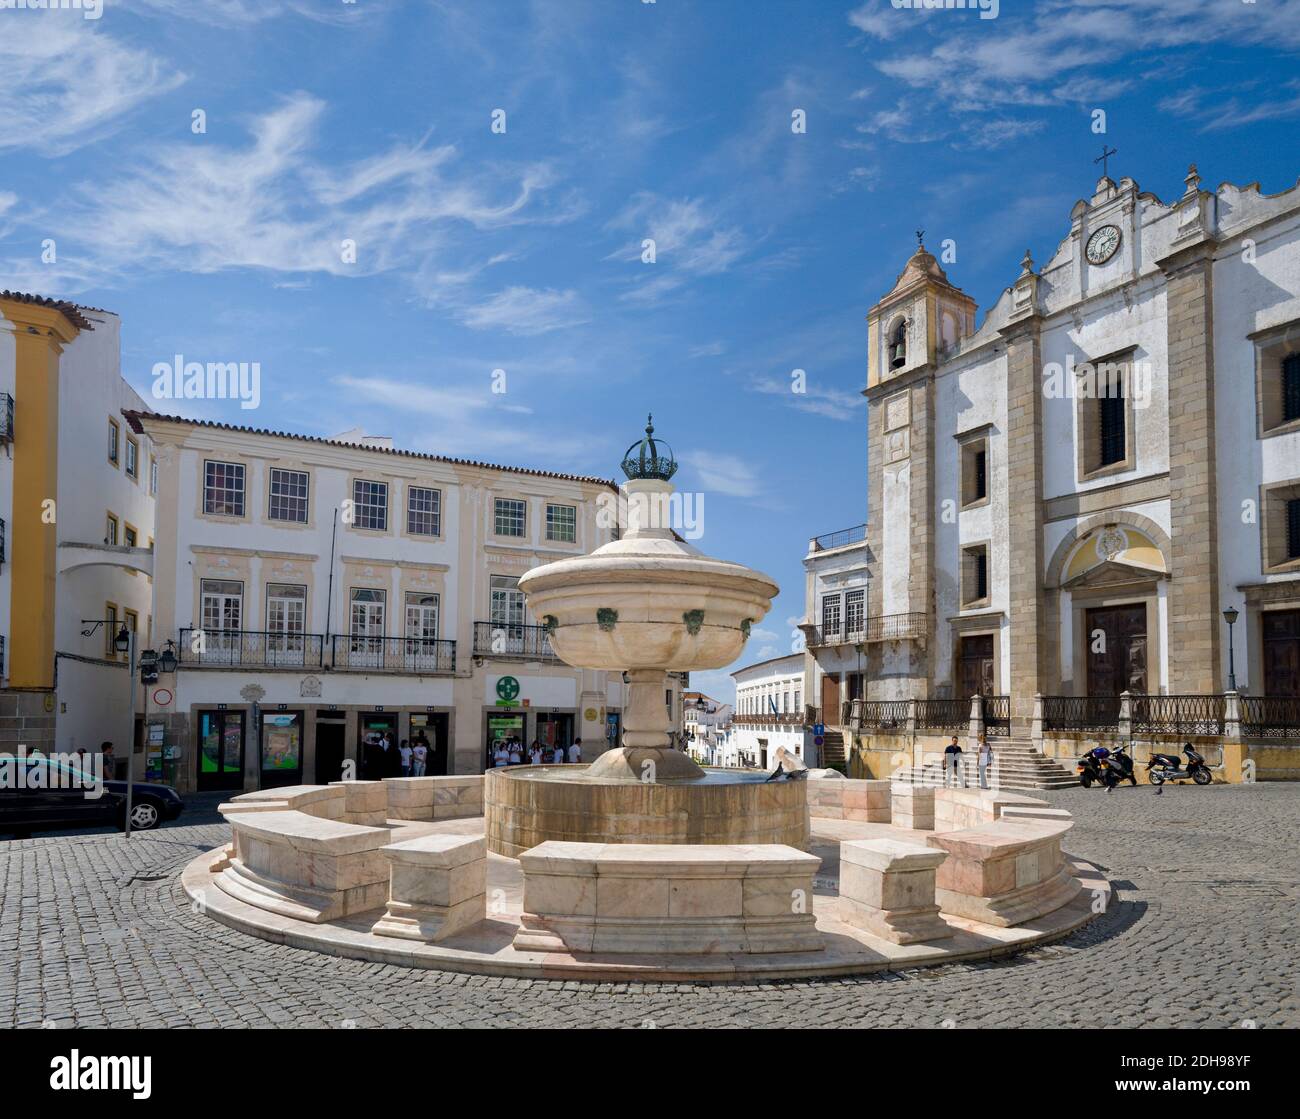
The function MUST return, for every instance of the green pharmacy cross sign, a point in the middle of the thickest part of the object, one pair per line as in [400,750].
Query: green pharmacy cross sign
[508,689]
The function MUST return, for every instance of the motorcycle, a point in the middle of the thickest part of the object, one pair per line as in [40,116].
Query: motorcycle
[1090,766]
[1169,767]
[1118,767]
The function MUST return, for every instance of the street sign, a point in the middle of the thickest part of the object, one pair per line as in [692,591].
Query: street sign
[819,741]
[819,729]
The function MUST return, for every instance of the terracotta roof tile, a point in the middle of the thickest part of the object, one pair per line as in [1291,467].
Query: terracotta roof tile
[70,310]
[134,416]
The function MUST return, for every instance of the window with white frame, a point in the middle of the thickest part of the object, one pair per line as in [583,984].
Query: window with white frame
[370,505]
[562,523]
[286,617]
[831,615]
[854,612]
[366,618]
[423,511]
[153,476]
[507,605]
[288,495]
[510,516]
[223,488]
[132,458]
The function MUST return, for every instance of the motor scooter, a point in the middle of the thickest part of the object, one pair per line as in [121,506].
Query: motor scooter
[1118,767]
[1089,767]
[1169,767]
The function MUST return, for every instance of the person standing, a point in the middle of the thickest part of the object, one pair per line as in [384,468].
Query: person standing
[419,756]
[951,759]
[516,752]
[557,754]
[502,756]
[984,758]
[575,752]
[108,761]
[535,753]
[407,755]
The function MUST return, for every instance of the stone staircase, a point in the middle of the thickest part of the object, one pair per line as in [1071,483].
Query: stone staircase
[1016,765]
[832,752]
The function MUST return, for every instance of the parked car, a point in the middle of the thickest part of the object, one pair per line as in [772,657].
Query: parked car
[57,798]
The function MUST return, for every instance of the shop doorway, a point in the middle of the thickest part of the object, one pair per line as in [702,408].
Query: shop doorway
[436,726]
[221,750]
[281,748]
[373,763]
[331,728]
[554,728]
[501,727]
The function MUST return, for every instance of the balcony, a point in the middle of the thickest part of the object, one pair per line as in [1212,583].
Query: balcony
[839,539]
[231,648]
[527,643]
[414,656]
[884,627]
[244,648]
[786,719]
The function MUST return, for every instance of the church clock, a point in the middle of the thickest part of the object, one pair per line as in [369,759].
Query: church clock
[1102,245]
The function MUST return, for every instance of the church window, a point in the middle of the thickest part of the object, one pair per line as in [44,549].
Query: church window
[1293,528]
[1291,388]
[1280,525]
[1104,408]
[975,575]
[974,471]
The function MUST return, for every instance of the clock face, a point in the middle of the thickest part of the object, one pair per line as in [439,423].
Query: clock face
[1102,244]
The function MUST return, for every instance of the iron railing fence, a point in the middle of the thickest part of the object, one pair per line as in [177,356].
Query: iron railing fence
[943,714]
[1178,714]
[246,648]
[1081,712]
[1270,716]
[495,639]
[882,627]
[840,538]
[418,656]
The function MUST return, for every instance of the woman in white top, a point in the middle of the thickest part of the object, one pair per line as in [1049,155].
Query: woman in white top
[516,758]
[500,758]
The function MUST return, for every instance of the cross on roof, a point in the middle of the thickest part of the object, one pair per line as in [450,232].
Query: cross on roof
[1106,153]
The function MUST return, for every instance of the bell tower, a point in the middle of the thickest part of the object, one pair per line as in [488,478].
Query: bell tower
[909,331]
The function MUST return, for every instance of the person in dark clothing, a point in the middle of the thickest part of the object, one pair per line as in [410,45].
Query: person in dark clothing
[951,760]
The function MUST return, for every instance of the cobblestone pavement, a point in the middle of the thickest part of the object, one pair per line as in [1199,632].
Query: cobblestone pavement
[95,932]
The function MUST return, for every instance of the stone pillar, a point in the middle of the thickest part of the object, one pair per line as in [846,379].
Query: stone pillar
[1125,721]
[438,887]
[887,888]
[1036,729]
[1024,575]
[1194,619]
[912,806]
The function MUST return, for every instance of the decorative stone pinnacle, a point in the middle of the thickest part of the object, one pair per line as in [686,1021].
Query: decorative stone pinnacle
[1027,265]
[1193,179]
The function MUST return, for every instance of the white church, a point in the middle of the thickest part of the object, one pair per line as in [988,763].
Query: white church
[1076,497]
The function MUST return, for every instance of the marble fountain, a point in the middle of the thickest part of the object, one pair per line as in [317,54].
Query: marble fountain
[646,604]
[642,865]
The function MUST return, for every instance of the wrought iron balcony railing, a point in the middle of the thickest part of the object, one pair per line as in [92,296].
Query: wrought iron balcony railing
[840,538]
[493,639]
[417,656]
[235,648]
[1179,714]
[785,719]
[882,627]
[1270,716]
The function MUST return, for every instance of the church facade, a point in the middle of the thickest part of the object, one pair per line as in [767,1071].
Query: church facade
[1071,495]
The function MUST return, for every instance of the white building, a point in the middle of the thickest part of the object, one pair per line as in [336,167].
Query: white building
[320,591]
[1065,500]
[707,722]
[770,713]
[76,526]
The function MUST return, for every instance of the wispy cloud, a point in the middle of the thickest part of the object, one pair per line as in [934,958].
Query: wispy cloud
[522,310]
[724,473]
[69,82]
[815,399]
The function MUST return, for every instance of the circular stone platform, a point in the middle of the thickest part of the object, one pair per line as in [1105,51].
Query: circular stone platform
[488,948]
[527,805]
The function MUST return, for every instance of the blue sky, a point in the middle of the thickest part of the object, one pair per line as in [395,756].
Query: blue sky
[522,250]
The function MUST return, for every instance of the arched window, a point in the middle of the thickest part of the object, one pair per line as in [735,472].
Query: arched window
[898,345]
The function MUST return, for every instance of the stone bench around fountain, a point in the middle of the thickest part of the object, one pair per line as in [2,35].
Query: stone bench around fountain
[1004,873]
[848,798]
[642,899]
[308,867]
[437,887]
[435,798]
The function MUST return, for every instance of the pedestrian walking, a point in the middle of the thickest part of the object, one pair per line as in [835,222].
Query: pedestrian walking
[951,759]
[984,758]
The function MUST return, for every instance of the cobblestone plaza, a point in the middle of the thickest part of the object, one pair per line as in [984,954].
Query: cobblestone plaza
[97,933]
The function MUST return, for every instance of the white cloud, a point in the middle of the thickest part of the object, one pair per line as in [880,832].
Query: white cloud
[277,204]
[68,82]
[522,310]
[816,399]
[709,349]
[726,474]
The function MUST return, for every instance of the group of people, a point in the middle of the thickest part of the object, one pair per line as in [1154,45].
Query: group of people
[380,758]
[510,751]
[952,762]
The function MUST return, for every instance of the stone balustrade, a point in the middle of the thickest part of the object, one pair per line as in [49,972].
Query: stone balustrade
[841,798]
[437,887]
[435,798]
[671,898]
[312,868]
[1004,873]
[887,888]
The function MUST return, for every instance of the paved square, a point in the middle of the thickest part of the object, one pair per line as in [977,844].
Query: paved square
[97,933]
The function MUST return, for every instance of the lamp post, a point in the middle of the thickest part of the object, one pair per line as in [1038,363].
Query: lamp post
[1230,616]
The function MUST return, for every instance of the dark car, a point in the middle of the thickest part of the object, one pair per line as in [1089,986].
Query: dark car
[40,794]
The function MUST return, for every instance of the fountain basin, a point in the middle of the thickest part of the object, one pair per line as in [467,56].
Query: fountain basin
[527,805]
